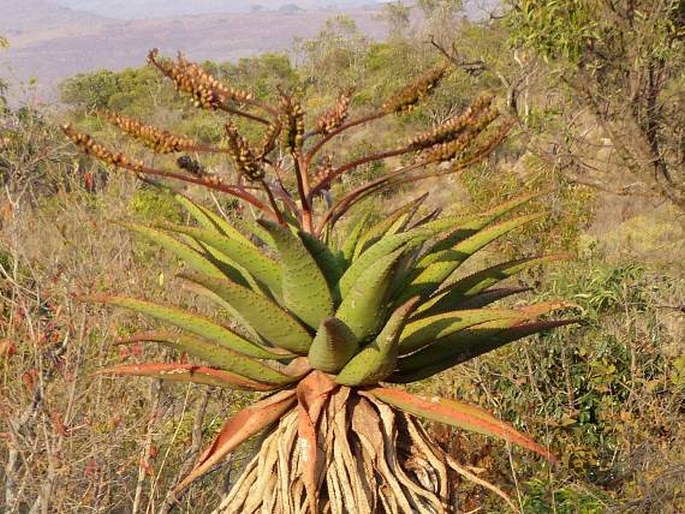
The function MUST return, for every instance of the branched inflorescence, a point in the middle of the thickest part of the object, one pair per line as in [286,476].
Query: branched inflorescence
[456,125]
[269,139]
[292,118]
[185,162]
[286,145]
[452,137]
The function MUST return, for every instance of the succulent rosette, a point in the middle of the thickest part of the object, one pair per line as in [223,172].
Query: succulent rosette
[327,323]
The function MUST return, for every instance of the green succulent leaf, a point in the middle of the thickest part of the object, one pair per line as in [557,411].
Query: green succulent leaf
[256,231]
[466,345]
[424,220]
[248,256]
[330,263]
[477,282]
[457,414]
[229,268]
[350,244]
[426,331]
[449,232]
[199,214]
[379,250]
[206,263]
[486,236]
[445,262]
[184,252]
[215,355]
[189,373]
[305,290]
[195,324]
[363,309]
[501,209]
[231,312]
[455,292]
[388,225]
[467,225]
[209,220]
[267,318]
[485,298]
[333,346]
[378,359]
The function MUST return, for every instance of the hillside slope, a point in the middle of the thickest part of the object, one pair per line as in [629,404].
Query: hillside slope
[142,9]
[22,17]
[51,52]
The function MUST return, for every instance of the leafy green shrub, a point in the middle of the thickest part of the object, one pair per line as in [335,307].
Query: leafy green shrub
[154,206]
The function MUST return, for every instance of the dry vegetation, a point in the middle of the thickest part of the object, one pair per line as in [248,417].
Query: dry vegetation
[607,397]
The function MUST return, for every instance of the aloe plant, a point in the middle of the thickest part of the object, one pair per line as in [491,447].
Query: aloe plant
[328,322]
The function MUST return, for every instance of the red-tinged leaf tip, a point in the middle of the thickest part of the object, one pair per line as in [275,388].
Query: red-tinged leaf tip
[239,428]
[540,326]
[312,394]
[313,391]
[455,413]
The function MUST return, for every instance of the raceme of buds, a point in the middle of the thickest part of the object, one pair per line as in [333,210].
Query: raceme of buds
[324,168]
[242,154]
[269,139]
[450,149]
[159,140]
[190,78]
[334,117]
[454,126]
[100,152]
[405,99]
[293,119]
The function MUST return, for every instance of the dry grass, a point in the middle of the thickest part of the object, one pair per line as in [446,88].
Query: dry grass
[74,440]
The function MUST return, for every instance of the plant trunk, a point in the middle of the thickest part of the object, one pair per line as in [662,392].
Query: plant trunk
[369,458]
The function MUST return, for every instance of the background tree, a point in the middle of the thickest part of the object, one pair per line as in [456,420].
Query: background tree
[3,84]
[334,57]
[398,17]
[441,16]
[623,62]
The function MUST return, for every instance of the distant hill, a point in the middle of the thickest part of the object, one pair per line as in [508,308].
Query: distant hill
[51,40]
[54,43]
[146,9]
[20,16]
